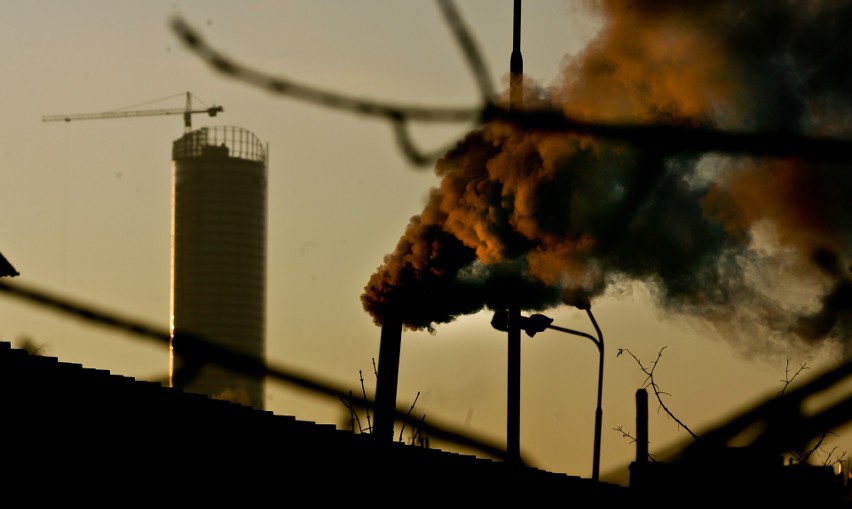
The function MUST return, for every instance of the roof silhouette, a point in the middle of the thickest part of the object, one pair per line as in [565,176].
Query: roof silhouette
[85,432]
[6,268]
[82,434]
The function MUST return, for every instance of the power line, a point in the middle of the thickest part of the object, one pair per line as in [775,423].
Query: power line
[204,351]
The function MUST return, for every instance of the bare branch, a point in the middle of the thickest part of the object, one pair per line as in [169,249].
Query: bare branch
[283,86]
[789,379]
[406,144]
[625,434]
[463,36]
[672,138]
[398,115]
[680,137]
[418,434]
[353,413]
[831,458]
[409,415]
[817,447]
[366,408]
[649,381]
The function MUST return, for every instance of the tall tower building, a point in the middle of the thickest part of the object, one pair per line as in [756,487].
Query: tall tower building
[218,260]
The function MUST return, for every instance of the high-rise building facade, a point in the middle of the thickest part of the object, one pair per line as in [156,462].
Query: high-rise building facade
[218,261]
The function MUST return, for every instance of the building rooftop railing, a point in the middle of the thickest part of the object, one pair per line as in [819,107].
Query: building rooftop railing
[232,140]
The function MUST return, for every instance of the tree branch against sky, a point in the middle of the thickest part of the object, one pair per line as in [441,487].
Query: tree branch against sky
[709,166]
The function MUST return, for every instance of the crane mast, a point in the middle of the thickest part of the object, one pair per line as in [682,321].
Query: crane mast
[187,113]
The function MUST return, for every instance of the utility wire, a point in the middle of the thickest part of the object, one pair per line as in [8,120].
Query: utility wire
[204,351]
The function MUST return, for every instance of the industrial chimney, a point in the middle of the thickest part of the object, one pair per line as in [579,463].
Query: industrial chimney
[218,260]
[387,378]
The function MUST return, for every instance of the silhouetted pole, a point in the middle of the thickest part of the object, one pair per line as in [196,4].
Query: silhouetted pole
[387,378]
[641,426]
[596,469]
[599,342]
[639,468]
[513,393]
[516,63]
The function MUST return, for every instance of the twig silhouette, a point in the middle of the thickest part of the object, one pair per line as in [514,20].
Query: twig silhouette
[352,410]
[632,440]
[418,438]
[804,457]
[625,434]
[658,393]
[366,407]
[353,413]
[817,448]
[409,415]
[789,379]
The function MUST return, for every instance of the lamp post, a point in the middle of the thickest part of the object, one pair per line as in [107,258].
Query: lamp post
[513,395]
[537,323]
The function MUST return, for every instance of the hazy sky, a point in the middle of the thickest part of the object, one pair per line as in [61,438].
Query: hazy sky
[85,205]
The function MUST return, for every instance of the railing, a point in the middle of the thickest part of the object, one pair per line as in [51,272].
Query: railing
[230,140]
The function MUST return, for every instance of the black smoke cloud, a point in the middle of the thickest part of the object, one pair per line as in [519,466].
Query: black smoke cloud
[754,246]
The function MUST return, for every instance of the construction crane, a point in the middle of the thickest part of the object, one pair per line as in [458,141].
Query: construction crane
[187,113]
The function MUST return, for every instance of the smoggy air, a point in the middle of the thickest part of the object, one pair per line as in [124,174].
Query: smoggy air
[757,247]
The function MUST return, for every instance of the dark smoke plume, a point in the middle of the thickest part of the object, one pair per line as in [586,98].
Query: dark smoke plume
[757,247]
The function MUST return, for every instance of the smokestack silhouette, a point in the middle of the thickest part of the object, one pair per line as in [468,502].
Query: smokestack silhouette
[387,378]
[538,219]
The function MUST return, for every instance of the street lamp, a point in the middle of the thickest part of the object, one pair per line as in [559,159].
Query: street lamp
[536,323]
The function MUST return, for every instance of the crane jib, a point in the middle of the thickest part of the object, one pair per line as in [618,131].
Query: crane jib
[187,112]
